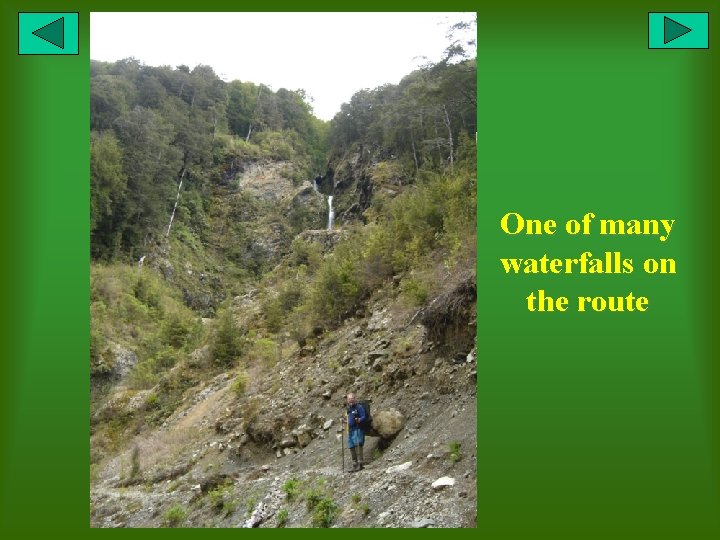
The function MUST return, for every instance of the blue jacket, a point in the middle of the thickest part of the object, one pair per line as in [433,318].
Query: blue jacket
[356,420]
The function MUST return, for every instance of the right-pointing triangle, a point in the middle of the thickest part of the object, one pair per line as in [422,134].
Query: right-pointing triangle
[674,30]
[53,32]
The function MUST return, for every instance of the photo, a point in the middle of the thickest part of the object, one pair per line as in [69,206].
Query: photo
[283,270]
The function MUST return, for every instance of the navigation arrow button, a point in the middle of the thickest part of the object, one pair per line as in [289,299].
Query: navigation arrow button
[674,30]
[53,32]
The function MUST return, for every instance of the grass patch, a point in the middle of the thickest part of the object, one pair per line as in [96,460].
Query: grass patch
[175,516]
[250,505]
[221,500]
[455,452]
[282,518]
[239,385]
[291,488]
[358,505]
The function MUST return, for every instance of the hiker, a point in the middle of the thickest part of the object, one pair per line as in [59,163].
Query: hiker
[356,437]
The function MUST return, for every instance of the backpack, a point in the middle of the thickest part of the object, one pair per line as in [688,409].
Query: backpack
[367,424]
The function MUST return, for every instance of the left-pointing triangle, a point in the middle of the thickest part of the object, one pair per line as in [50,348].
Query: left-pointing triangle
[53,32]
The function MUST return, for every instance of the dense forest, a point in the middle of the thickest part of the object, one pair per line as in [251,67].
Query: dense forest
[155,128]
[160,132]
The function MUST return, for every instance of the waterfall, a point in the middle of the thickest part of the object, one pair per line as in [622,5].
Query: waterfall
[315,185]
[331,213]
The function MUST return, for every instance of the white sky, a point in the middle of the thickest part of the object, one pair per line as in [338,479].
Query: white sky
[330,55]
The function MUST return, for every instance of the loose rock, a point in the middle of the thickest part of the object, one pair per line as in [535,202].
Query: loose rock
[397,468]
[445,481]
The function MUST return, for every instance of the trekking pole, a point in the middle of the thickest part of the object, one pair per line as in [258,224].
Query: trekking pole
[342,441]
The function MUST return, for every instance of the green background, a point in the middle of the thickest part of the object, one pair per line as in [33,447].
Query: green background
[596,424]
[589,425]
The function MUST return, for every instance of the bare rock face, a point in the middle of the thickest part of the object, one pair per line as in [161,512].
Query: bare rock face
[387,424]
[124,360]
[324,238]
[265,180]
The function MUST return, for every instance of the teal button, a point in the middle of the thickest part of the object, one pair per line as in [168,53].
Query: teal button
[48,33]
[678,30]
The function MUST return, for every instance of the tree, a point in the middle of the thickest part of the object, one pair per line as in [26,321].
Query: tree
[108,184]
[240,107]
[109,98]
[151,164]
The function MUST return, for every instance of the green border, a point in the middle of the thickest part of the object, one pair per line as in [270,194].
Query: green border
[597,425]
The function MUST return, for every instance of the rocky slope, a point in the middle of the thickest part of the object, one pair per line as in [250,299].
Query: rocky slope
[222,460]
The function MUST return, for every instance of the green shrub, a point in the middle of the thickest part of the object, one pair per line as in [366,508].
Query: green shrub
[165,358]
[239,385]
[455,452]
[291,488]
[300,324]
[305,253]
[143,375]
[175,516]
[415,291]
[363,508]
[313,496]
[301,217]
[250,505]
[216,498]
[220,499]
[264,351]
[273,314]
[177,330]
[228,343]
[337,288]
[290,294]
[148,373]
[229,506]
[147,290]
[278,145]
[100,361]
[152,401]
[282,517]
[325,513]
[402,347]
[140,312]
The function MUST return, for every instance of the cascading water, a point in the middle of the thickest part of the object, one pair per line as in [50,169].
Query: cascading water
[331,213]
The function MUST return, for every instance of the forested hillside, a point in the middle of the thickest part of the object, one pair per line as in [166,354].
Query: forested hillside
[153,128]
[231,312]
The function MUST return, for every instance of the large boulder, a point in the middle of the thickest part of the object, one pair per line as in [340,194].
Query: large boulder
[387,424]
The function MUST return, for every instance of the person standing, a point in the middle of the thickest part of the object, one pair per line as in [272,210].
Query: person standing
[356,437]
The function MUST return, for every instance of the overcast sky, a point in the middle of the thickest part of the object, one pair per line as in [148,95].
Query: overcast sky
[330,55]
